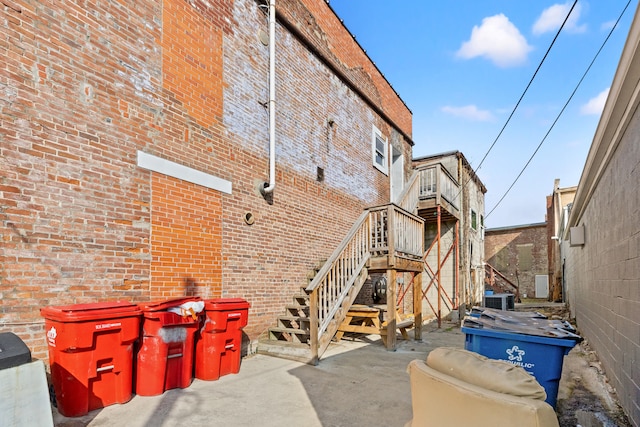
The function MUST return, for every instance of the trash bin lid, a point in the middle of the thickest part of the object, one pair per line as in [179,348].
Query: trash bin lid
[163,305]
[90,311]
[225,304]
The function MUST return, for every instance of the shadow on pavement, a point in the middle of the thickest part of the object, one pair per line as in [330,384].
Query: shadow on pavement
[368,385]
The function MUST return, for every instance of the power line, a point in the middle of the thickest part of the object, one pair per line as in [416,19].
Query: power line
[528,85]
[526,89]
[561,111]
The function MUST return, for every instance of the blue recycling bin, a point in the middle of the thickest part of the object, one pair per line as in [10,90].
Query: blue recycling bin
[541,356]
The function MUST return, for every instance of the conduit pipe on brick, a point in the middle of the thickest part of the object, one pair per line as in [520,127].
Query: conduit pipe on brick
[269,186]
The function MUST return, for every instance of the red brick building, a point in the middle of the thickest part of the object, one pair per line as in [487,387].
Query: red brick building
[134,142]
[520,254]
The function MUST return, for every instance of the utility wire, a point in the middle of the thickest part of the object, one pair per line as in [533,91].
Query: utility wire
[521,97]
[562,110]
[528,85]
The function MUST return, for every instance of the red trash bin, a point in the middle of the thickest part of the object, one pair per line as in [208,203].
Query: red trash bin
[164,359]
[219,346]
[91,354]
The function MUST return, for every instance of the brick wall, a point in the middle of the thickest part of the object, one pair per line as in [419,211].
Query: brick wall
[520,253]
[84,88]
[186,239]
[320,24]
[74,211]
[268,262]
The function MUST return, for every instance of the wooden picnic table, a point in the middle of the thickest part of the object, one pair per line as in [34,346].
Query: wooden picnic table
[364,319]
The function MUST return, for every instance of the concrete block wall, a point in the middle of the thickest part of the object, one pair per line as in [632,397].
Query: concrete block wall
[603,276]
[85,87]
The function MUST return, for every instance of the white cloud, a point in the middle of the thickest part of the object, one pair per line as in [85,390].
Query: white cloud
[606,26]
[595,105]
[498,40]
[552,18]
[470,112]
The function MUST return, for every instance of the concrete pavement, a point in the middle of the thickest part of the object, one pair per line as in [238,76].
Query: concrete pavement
[357,383]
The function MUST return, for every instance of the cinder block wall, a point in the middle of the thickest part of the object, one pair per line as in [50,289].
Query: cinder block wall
[603,276]
[84,87]
[521,249]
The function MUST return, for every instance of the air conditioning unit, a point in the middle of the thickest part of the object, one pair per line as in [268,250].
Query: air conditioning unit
[500,301]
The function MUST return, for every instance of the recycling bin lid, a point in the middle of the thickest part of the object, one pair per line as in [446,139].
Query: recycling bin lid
[225,304]
[163,305]
[523,318]
[90,311]
[524,326]
[504,314]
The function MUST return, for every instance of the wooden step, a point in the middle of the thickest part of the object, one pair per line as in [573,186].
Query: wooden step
[297,310]
[301,300]
[289,335]
[294,322]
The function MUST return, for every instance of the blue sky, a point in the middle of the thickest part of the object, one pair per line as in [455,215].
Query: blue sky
[461,66]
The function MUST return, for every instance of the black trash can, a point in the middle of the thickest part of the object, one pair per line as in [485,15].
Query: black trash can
[13,351]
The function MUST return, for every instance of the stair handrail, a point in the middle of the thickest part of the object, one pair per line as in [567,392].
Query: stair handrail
[491,271]
[408,199]
[317,280]
[329,288]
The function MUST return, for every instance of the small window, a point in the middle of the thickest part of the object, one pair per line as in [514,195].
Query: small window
[379,150]
[474,220]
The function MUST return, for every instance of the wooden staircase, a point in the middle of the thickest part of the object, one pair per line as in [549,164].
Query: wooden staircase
[291,337]
[386,237]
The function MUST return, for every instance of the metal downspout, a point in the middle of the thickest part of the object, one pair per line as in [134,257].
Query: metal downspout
[270,185]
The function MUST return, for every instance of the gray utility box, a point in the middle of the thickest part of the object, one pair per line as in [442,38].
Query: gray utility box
[500,301]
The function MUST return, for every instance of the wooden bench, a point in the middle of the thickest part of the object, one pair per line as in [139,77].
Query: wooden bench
[401,324]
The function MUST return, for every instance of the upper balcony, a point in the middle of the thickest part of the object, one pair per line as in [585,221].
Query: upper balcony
[436,187]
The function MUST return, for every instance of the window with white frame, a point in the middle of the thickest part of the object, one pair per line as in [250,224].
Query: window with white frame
[474,220]
[379,150]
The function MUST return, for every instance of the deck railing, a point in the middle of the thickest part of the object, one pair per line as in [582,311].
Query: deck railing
[379,231]
[394,229]
[434,181]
